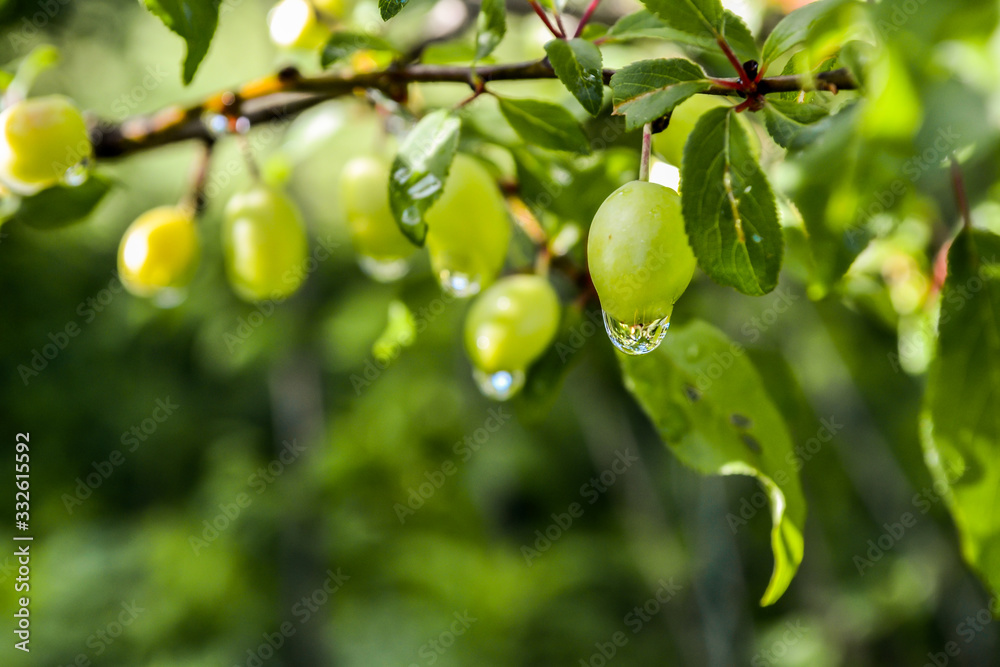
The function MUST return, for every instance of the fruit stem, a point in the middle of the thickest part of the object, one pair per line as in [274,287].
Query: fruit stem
[247,150]
[585,19]
[647,147]
[195,199]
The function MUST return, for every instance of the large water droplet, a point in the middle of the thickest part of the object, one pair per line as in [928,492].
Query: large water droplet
[639,338]
[459,284]
[500,385]
[383,270]
[77,175]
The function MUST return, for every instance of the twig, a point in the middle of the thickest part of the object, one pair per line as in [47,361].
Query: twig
[281,96]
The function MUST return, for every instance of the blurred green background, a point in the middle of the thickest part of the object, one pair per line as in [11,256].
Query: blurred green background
[262,506]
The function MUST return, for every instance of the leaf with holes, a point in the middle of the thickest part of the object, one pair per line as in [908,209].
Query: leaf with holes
[195,21]
[713,412]
[545,124]
[648,89]
[577,63]
[420,170]
[729,210]
[961,421]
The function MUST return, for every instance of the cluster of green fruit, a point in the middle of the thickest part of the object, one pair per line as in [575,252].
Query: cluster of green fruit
[640,261]
[263,238]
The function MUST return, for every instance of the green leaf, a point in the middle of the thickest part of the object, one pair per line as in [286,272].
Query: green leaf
[195,21]
[343,43]
[830,192]
[62,205]
[491,26]
[787,120]
[577,63]
[420,170]
[642,24]
[545,124]
[648,89]
[695,17]
[389,8]
[712,410]
[793,30]
[961,423]
[729,209]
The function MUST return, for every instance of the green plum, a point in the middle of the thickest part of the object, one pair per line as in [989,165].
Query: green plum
[40,140]
[159,252]
[468,229]
[507,328]
[265,244]
[640,261]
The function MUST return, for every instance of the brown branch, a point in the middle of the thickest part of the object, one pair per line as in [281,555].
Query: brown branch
[281,96]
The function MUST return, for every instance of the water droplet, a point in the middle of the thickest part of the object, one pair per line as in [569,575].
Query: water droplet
[77,175]
[636,338]
[242,125]
[411,216]
[692,352]
[692,393]
[425,187]
[383,270]
[169,297]
[459,284]
[756,238]
[216,123]
[500,385]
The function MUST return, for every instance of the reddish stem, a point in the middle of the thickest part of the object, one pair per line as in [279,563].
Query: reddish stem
[591,8]
[724,45]
[961,199]
[545,19]
[727,83]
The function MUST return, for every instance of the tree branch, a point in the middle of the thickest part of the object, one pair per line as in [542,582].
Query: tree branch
[281,96]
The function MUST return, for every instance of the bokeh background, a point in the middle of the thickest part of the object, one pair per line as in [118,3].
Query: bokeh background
[261,505]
